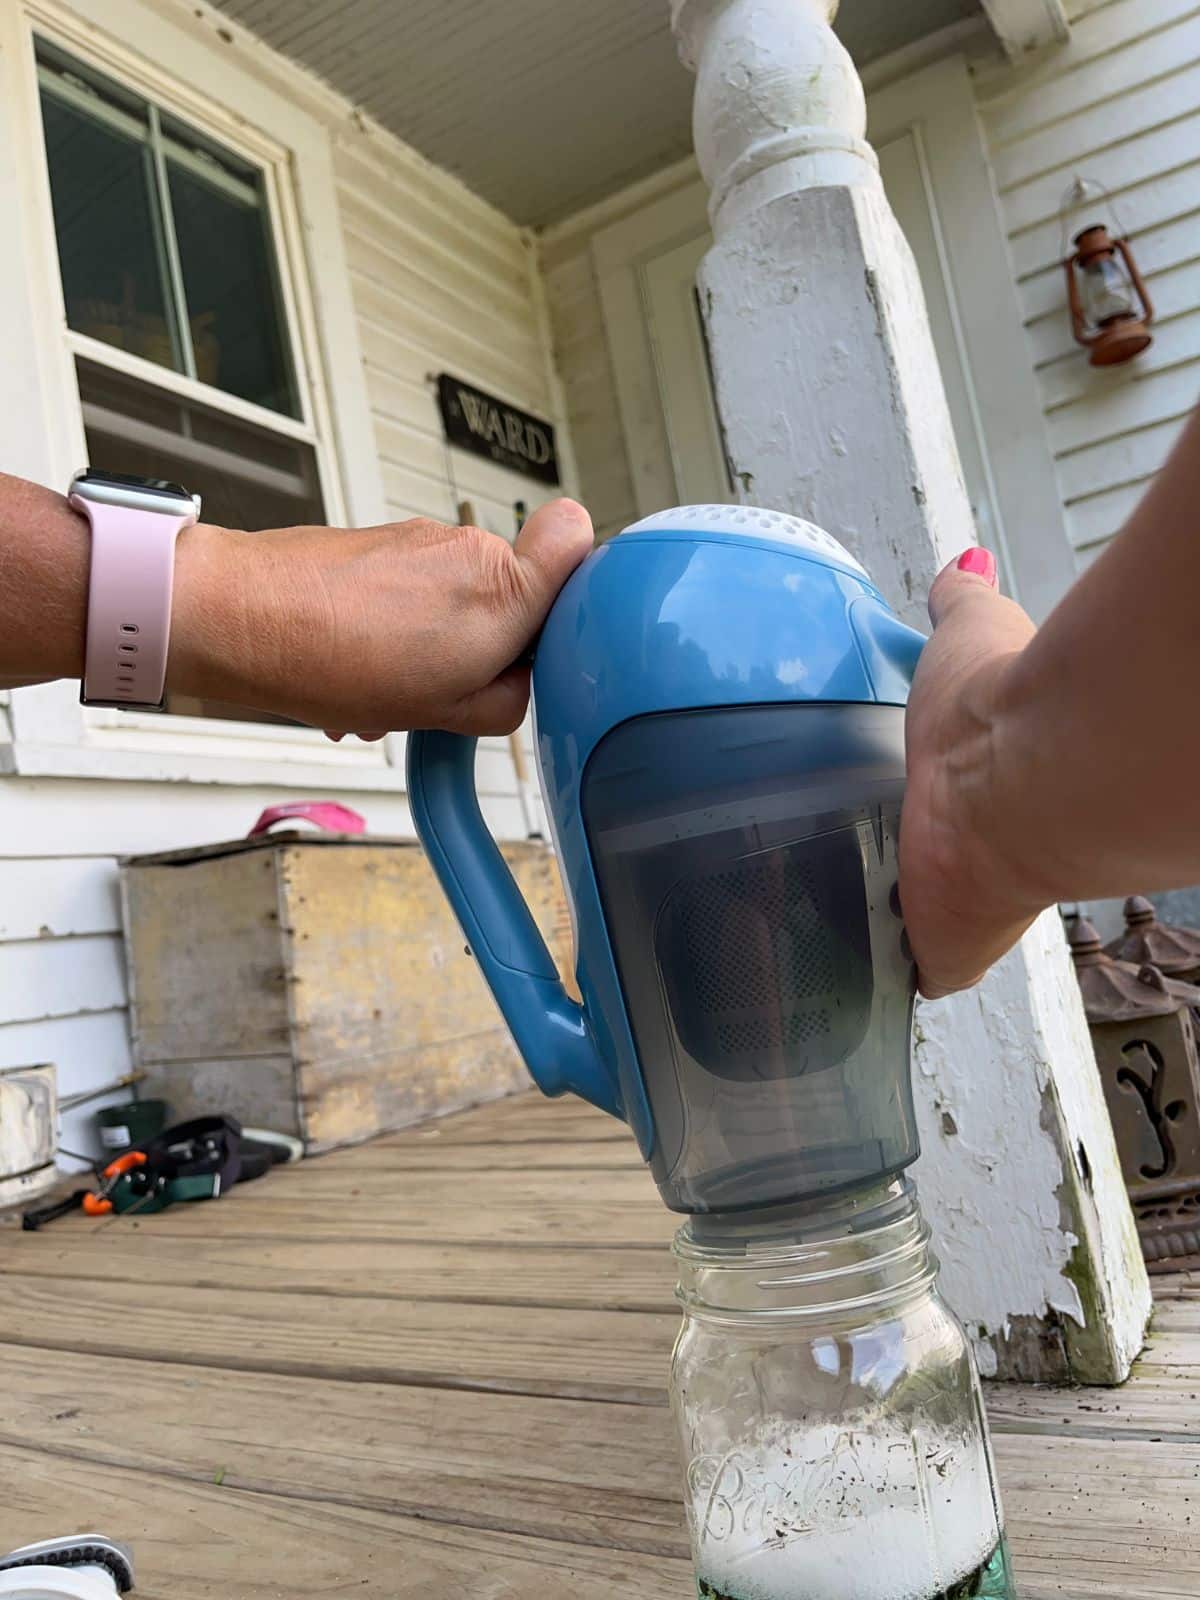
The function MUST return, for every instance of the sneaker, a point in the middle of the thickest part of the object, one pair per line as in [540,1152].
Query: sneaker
[83,1567]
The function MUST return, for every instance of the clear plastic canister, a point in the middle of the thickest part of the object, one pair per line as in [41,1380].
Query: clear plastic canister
[746,860]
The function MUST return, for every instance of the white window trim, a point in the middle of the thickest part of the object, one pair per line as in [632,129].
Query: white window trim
[50,733]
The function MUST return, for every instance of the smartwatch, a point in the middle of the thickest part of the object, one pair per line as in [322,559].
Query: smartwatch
[135,523]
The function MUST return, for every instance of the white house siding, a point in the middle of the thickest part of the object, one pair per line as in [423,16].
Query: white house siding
[440,282]
[1121,103]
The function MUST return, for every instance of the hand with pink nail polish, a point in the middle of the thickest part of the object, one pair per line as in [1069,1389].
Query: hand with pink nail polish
[1058,764]
[957,906]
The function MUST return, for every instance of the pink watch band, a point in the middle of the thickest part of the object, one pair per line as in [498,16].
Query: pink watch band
[129,602]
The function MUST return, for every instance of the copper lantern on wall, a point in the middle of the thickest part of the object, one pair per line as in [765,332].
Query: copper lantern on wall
[1110,309]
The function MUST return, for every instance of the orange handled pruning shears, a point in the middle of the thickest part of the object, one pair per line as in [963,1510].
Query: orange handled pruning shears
[99,1205]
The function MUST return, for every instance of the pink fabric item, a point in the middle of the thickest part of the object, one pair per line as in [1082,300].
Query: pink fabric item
[327,814]
[129,603]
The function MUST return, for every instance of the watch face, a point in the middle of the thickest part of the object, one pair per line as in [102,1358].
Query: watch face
[120,480]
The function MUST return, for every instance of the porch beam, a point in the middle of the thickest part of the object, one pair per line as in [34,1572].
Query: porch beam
[832,405]
[1027,26]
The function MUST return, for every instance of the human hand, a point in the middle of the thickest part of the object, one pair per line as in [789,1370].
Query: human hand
[966,897]
[410,625]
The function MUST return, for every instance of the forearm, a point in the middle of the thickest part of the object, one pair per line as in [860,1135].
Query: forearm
[414,624]
[1095,768]
[44,549]
[218,638]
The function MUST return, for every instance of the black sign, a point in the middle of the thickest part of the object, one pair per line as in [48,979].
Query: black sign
[511,438]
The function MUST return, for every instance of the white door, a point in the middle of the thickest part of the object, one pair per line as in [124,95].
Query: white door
[677,340]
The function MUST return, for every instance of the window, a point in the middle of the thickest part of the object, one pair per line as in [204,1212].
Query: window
[164,239]
[167,252]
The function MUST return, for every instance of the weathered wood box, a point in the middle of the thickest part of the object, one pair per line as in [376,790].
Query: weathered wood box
[317,984]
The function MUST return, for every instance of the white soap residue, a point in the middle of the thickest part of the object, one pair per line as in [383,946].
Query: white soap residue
[822,1514]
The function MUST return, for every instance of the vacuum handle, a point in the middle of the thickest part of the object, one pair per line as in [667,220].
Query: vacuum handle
[551,1030]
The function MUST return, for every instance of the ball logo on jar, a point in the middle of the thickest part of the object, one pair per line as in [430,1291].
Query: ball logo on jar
[732,1494]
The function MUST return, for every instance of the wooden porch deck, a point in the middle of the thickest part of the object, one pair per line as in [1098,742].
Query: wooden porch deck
[433,1366]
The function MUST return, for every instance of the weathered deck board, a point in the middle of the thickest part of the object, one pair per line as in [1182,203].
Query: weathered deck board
[477,1217]
[443,1355]
[595,1474]
[599,1475]
[206,1542]
[588,1355]
[604,1279]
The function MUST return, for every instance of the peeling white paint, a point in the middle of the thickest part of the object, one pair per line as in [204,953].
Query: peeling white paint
[1010,1064]
[990,1189]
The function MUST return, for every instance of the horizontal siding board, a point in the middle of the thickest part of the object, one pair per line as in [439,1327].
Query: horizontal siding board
[1069,378]
[88,1049]
[409,339]
[1098,28]
[1101,128]
[1158,394]
[60,977]
[1058,357]
[437,201]
[51,898]
[1091,523]
[389,308]
[473,477]
[385,218]
[420,494]
[1134,175]
[401,396]
[486,317]
[77,817]
[1105,413]
[1159,200]
[1109,55]
[1131,458]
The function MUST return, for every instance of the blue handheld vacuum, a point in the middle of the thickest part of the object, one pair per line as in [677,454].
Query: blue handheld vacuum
[718,701]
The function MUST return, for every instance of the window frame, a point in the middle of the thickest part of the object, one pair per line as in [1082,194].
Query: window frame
[289,141]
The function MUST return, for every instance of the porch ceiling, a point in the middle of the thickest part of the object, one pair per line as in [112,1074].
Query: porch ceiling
[540,106]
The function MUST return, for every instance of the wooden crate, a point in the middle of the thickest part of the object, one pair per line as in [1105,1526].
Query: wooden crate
[317,984]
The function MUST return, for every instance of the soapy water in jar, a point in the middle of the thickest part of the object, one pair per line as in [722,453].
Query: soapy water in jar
[843,1514]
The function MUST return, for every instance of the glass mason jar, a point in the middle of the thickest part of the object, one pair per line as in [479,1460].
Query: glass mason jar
[829,1409]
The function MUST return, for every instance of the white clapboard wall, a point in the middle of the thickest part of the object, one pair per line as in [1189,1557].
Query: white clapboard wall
[1121,103]
[441,282]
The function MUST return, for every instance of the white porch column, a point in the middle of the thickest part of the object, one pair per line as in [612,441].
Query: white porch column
[832,404]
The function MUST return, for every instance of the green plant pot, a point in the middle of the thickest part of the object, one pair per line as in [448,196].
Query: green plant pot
[131,1123]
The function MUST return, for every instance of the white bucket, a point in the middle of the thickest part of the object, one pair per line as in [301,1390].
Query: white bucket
[28,1134]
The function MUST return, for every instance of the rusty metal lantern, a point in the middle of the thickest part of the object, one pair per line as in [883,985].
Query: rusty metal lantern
[1143,1027]
[1174,951]
[1110,306]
